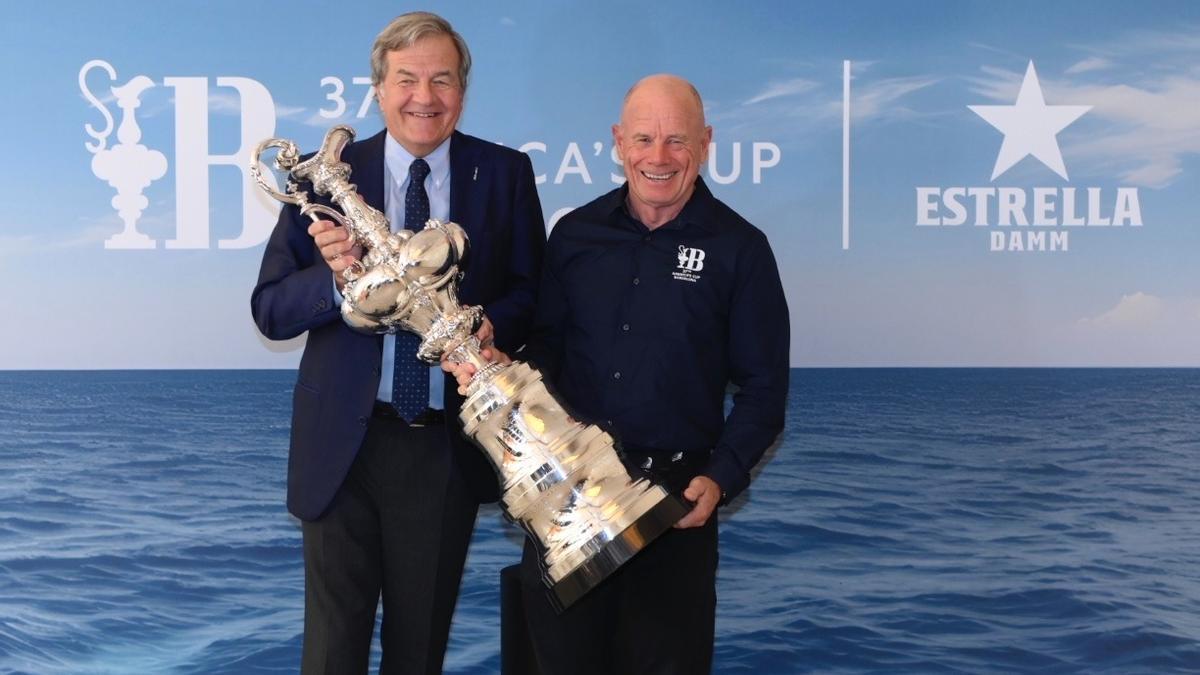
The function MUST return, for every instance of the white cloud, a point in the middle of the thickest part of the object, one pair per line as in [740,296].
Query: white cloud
[18,244]
[224,102]
[1155,126]
[1141,329]
[778,89]
[1186,38]
[107,99]
[1089,64]
[315,119]
[993,48]
[289,111]
[880,98]
[998,85]
[799,106]
[507,21]
[1151,120]
[229,103]
[92,231]
[89,237]
[1132,309]
[859,67]
[92,236]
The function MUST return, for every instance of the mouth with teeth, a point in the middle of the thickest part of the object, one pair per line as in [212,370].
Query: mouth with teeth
[422,115]
[659,177]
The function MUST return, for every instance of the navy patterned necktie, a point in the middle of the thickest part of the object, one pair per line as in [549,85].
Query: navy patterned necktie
[410,377]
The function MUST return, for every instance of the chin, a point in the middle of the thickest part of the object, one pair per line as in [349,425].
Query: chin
[662,195]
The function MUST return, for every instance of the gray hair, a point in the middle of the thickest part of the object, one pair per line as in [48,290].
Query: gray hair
[404,31]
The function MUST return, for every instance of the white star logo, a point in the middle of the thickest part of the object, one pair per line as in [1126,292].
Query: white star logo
[1030,126]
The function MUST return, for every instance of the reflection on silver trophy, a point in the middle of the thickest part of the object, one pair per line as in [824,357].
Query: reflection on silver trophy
[561,480]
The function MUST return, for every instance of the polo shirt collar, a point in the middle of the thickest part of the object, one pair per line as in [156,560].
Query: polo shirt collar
[697,211]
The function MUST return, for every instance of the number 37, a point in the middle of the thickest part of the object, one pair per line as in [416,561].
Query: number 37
[339,103]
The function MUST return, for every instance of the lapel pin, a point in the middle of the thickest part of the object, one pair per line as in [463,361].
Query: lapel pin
[475,176]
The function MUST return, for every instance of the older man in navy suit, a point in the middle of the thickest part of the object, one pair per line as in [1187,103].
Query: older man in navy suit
[379,475]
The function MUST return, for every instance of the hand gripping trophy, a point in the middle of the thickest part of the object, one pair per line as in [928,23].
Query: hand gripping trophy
[561,480]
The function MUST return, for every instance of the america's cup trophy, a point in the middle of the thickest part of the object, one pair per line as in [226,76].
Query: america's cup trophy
[561,480]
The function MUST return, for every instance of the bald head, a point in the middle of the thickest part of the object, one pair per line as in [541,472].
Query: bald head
[665,85]
[662,142]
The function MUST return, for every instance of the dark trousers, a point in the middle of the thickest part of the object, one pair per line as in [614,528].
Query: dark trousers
[399,526]
[654,616]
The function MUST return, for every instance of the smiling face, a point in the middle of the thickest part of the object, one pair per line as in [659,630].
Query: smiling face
[662,142]
[420,96]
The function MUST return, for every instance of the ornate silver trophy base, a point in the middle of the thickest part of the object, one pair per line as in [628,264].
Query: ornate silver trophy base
[561,480]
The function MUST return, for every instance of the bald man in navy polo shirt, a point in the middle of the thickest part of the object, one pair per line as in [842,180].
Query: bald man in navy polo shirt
[654,298]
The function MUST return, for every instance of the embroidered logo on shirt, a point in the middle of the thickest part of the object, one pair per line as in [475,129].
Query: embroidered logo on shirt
[691,260]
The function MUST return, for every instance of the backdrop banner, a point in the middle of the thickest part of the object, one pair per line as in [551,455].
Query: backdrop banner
[984,215]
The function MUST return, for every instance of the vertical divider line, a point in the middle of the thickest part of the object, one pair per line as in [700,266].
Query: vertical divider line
[846,155]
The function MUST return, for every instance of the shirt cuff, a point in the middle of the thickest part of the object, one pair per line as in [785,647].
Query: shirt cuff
[337,296]
[727,474]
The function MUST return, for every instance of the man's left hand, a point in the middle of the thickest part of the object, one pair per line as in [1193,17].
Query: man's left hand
[486,333]
[705,492]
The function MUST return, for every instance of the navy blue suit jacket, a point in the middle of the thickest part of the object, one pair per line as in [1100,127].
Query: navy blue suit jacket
[493,197]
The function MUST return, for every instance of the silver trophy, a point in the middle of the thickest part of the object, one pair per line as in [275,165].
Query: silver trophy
[561,480]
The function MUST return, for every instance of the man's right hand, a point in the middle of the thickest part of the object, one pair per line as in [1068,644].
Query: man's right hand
[336,248]
[463,372]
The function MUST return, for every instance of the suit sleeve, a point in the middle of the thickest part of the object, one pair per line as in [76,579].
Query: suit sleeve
[545,346]
[294,291]
[512,312]
[759,342]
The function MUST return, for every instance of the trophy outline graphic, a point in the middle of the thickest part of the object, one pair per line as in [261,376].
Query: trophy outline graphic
[129,167]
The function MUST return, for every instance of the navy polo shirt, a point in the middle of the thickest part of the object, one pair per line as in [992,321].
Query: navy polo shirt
[641,331]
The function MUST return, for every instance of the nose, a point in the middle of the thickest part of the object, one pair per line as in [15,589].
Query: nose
[658,153]
[423,92]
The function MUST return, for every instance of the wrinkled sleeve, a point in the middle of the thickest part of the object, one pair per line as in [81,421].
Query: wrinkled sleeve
[511,313]
[759,339]
[294,292]
[544,348]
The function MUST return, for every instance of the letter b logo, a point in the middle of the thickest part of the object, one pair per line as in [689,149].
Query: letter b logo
[691,259]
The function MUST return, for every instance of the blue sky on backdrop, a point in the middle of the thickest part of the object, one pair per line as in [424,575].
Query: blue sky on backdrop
[554,73]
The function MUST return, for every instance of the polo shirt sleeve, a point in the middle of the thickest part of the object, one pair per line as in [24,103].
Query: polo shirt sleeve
[759,343]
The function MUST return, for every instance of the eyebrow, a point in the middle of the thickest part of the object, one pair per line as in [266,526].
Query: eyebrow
[670,137]
[409,73]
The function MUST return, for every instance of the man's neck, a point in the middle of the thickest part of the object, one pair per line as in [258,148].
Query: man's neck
[654,218]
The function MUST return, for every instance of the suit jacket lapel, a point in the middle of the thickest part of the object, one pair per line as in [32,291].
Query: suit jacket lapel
[468,185]
[368,174]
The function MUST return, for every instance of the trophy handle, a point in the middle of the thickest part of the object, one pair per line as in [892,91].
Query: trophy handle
[288,157]
[310,209]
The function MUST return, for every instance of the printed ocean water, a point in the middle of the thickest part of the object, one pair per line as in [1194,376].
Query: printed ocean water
[910,521]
